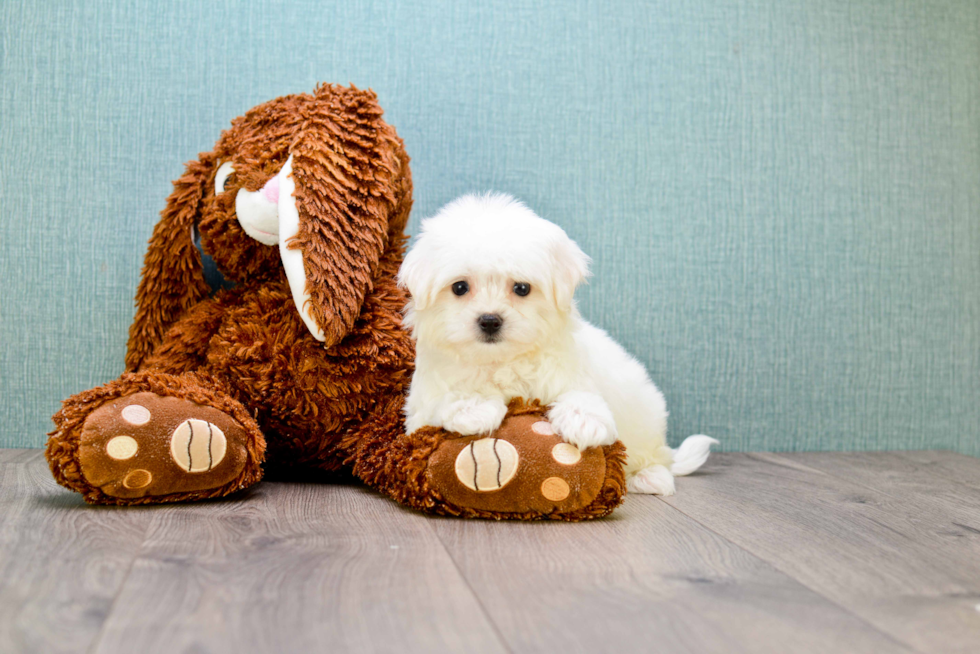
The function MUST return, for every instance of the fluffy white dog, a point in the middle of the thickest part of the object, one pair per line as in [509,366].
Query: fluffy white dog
[493,315]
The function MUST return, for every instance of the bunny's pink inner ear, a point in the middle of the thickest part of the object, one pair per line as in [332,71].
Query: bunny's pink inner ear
[292,258]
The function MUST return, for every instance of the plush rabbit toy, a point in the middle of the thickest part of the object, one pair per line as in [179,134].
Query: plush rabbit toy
[302,360]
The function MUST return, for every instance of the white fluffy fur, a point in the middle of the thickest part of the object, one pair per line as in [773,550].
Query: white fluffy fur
[595,390]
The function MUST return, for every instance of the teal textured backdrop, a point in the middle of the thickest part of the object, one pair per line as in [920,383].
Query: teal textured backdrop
[781,196]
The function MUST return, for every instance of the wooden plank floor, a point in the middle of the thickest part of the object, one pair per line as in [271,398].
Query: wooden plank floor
[814,552]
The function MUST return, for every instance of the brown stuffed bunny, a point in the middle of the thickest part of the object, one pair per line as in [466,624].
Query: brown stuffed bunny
[302,206]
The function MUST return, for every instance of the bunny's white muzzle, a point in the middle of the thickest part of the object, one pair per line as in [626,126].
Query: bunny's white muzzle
[258,212]
[270,216]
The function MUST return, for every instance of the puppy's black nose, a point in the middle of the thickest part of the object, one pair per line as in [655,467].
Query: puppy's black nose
[490,323]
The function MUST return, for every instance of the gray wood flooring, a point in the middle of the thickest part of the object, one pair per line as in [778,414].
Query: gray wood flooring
[815,552]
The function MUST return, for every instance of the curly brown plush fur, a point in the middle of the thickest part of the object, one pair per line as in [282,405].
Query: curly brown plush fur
[246,351]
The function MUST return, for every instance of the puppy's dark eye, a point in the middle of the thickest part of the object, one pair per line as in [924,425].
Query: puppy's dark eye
[522,288]
[460,288]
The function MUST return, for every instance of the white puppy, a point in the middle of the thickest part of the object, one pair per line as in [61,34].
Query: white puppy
[493,315]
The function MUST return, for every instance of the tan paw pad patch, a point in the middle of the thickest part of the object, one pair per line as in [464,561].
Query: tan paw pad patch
[566,454]
[137,479]
[487,464]
[135,414]
[197,445]
[555,489]
[121,448]
[542,427]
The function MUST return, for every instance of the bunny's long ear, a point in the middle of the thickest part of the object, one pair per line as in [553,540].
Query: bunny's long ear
[345,166]
[172,278]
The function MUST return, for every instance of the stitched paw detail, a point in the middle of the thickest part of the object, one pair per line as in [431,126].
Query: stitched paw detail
[198,445]
[522,467]
[146,444]
[487,464]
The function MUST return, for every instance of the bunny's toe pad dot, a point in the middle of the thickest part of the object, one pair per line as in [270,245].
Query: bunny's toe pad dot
[566,454]
[136,414]
[138,478]
[555,489]
[121,448]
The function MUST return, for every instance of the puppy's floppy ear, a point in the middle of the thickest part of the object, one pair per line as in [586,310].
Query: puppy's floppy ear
[571,268]
[346,165]
[417,275]
[172,278]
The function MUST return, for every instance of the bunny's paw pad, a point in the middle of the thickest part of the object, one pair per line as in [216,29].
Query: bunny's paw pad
[147,444]
[522,468]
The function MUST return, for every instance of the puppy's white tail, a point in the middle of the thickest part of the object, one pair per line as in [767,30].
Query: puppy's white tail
[692,454]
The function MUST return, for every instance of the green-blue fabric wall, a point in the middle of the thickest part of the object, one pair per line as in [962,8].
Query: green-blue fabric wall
[781,196]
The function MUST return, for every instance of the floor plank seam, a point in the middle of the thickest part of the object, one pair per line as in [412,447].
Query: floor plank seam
[906,646]
[476,596]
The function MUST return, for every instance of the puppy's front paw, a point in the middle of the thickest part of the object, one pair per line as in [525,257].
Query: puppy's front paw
[583,419]
[474,415]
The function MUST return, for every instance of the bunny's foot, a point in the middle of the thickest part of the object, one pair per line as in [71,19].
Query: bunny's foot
[148,447]
[522,471]
[525,470]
